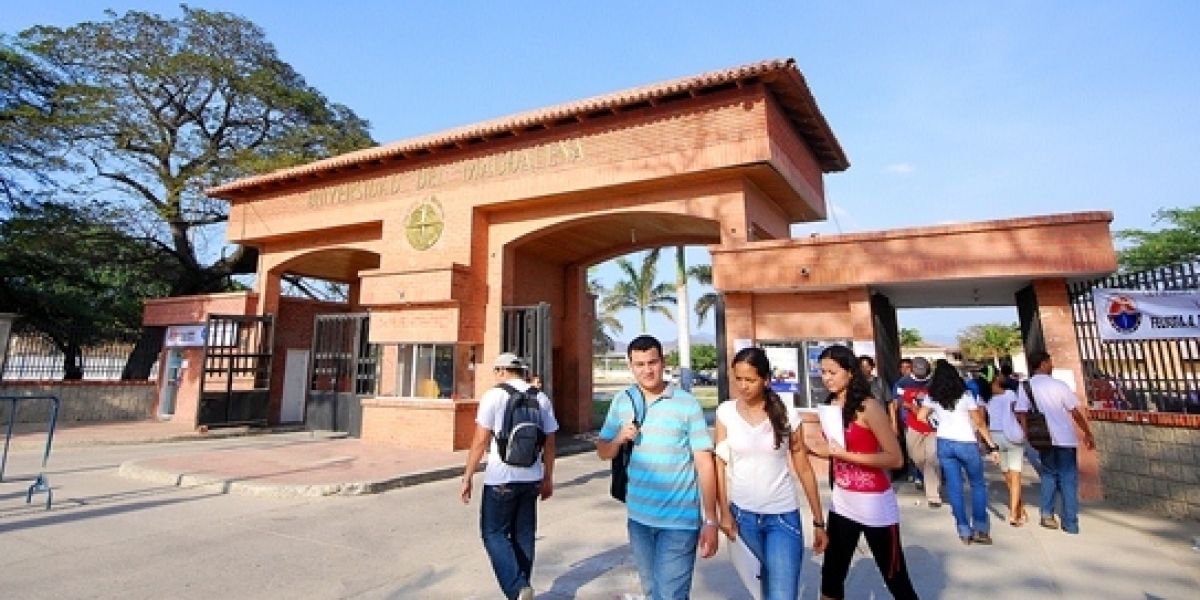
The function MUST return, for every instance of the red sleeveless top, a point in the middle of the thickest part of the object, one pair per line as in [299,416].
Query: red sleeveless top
[855,477]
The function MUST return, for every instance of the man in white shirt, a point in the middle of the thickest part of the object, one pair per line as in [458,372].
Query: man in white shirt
[508,510]
[1060,472]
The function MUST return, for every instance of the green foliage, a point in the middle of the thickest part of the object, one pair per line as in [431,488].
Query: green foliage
[606,325]
[989,341]
[640,291]
[707,302]
[704,357]
[163,108]
[76,277]
[1178,242]
[27,107]
[910,337]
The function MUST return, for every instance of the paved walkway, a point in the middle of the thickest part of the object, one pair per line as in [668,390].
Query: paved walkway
[100,520]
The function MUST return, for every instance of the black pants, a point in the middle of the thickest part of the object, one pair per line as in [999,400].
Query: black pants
[885,547]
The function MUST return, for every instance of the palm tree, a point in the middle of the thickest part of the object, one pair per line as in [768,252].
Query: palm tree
[703,275]
[685,333]
[639,291]
[991,340]
[606,325]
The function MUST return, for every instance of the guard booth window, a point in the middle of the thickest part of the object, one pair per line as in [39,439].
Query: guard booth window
[426,370]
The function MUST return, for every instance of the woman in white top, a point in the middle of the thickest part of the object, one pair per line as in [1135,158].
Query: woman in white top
[958,418]
[1003,425]
[757,492]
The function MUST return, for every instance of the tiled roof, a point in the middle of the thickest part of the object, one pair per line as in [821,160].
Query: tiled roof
[780,76]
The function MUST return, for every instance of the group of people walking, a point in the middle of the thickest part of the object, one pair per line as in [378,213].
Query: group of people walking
[685,488]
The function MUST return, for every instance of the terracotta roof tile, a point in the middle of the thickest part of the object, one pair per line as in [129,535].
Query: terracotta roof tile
[780,76]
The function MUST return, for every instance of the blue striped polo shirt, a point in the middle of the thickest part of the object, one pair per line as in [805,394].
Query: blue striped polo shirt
[663,489]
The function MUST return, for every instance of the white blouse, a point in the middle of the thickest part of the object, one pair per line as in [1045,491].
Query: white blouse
[760,475]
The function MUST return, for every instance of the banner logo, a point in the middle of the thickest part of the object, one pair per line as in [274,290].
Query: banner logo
[1123,314]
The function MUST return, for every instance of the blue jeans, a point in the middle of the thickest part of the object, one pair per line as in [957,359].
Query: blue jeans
[665,559]
[957,457]
[777,541]
[1060,476]
[508,520]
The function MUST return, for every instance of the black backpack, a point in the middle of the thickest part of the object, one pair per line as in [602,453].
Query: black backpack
[520,440]
[619,483]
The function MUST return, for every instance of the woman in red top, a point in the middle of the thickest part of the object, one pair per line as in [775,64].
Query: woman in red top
[863,502]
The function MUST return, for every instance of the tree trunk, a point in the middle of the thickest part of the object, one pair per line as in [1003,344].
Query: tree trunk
[145,352]
[682,308]
[72,361]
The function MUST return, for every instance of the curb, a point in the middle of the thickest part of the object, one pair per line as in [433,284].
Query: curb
[134,469]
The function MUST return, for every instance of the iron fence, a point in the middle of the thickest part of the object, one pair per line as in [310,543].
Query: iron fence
[1148,375]
[33,355]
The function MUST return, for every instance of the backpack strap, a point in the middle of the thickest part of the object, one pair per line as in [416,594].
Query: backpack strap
[635,395]
[509,408]
[1029,394]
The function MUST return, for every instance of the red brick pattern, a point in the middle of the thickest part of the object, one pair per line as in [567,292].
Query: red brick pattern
[1161,419]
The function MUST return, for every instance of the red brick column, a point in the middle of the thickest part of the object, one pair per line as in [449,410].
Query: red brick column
[1058,328]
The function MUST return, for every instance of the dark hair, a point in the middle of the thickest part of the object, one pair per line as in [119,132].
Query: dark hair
[643,343]
[776,410]
[1036,358]
[946,385]
[906,360]
[857,391]
[867,358]
[984,380]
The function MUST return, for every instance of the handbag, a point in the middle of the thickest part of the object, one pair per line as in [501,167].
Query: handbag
[619,483]
[1037,431]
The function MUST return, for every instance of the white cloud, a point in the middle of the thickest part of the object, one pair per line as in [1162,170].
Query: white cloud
[899,169]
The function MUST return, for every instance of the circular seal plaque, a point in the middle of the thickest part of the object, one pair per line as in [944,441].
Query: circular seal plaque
[424,225]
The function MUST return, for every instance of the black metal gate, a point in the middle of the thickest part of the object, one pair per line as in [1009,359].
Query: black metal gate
[1154,375]
[343,370]
[235,387]
[525,331]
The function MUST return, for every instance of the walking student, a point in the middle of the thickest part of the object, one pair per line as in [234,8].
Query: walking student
[1060,465]
[918,435]
[958,420]
[757,492]
[508,509]
[862,502]
[672,495]
[1002,406]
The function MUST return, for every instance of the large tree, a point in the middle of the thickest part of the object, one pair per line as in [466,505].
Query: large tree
[910,337]
[990,341]
[163,108]
[75,277]
[640,289]
[1177,242]
[606,325]
[157,109]
[28,141]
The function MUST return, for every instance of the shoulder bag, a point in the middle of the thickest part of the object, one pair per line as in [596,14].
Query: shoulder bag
[1037,432]
[619,483]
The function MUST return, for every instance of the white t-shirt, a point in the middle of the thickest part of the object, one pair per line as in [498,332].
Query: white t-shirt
[491,416]
[1001,418]
[954,424]
[1056,401]
[760,475]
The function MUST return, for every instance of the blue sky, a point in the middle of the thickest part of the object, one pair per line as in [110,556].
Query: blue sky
[949,111]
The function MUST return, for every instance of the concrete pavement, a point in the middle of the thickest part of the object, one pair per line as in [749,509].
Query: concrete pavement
[114,537]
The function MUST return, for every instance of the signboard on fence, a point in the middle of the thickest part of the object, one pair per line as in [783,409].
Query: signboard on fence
[182,336]
[1146,315]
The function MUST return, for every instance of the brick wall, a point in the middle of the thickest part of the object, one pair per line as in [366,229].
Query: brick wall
[1150,461]
[81,401]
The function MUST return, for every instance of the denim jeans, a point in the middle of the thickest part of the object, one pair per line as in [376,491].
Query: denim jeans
[508,521]
[665,559]
[1060,476]
[777,541]
[957,458]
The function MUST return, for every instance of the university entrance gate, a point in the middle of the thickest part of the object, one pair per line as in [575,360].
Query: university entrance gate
[344,369]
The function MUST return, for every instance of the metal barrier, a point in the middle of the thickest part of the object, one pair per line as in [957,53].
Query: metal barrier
[41,483]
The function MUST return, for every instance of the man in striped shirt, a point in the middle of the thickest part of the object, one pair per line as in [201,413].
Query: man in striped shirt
[671,497]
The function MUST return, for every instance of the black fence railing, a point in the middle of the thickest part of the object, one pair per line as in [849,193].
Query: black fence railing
[1148,375]
[33,355]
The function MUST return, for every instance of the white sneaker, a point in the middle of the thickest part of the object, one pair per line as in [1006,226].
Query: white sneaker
[526,593]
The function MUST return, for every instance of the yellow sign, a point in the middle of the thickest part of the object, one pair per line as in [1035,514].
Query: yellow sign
[425,224]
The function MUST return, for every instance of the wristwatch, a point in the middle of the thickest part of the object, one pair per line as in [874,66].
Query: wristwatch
[994,448]
[818,524]
[710,523]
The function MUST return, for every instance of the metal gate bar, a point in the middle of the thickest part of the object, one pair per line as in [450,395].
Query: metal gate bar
[237,347]
[1152,375]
